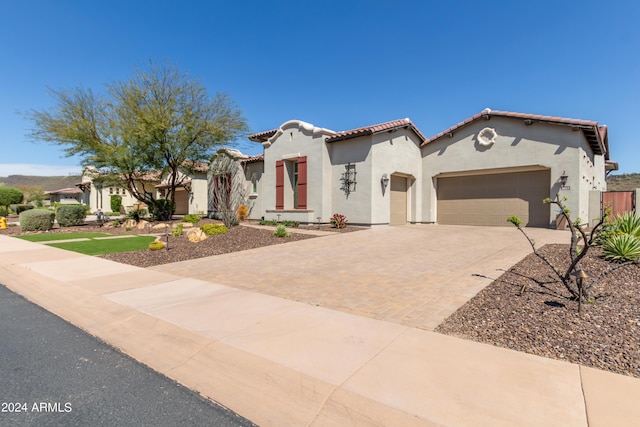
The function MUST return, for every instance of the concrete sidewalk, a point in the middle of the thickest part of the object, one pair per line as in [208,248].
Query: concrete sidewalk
[281,362]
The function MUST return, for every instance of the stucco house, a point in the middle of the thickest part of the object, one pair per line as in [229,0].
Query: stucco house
[477,172]
[190,196]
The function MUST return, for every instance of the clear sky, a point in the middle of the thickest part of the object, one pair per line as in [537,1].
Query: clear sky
[336,64]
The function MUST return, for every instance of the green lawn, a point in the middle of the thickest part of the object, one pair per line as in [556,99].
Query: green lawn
[60,236]
[107,246]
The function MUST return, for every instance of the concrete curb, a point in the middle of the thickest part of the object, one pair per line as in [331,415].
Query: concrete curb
[279,362]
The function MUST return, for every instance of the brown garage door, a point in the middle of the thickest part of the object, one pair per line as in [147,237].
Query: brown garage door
[398,196]
[182,202]
[490,199]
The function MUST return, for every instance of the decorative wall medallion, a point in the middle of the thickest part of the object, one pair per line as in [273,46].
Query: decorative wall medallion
[486,137]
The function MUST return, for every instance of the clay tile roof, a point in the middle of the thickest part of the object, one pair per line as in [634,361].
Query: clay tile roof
[382,127]
[254,159]
[73,190]
[262,136]
[592,132]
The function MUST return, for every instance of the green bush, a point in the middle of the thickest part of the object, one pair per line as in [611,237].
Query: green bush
[210,229]
[37,220]
[294,224]
[10,196]
[192,218]
[71,215]
[116,203]
[621,248]
[177,232]
[4,211]
[281,231]
[268,222]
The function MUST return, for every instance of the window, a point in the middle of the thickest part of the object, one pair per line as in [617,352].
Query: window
[110,190]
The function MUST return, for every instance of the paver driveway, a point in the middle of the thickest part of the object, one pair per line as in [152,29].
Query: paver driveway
[415,275]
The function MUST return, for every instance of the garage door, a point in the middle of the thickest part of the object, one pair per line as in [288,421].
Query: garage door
[398,196]
[182,202]
[490,199]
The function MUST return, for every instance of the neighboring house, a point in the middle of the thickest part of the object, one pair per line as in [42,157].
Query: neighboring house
[478,172]
[190,195]
[70,196]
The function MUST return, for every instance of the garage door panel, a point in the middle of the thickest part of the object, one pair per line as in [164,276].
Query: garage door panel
[490,199]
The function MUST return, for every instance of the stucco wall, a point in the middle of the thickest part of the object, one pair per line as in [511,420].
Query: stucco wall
[396,153]
[198,199]
[357,206]
[298,139]
[255,198]
[558,148]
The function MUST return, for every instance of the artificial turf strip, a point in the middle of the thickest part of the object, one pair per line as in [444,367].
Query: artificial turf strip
[107,246]
[60,236]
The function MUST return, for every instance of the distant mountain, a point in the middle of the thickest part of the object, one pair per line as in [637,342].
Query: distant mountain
[47,183]
[624,182]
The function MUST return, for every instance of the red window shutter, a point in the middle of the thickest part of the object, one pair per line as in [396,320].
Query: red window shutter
[280,184]
[302,183]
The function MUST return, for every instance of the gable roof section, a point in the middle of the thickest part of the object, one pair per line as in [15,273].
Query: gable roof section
[253,159]
[382,127]
[595,134]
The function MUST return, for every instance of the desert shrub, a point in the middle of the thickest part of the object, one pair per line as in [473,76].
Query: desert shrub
[210,229]
[116,203]
[163,209]
[4,211]
[71,215]
[338,221]
[37,220]
[137,214]
[289,223]
[281,231]
[243,212]
[156,246]
[192,218]
[268,222]
[21,208]
[621,248]
[177,232]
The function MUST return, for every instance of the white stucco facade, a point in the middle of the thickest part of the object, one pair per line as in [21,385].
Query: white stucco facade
[501,144]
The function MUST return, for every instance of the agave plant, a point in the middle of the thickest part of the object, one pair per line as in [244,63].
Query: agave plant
[621,248]
[628,223]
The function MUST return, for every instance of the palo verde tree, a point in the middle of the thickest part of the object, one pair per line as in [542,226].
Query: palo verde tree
[160,120]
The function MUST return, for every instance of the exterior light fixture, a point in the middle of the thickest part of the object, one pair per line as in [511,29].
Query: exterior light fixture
[563,179]
[187,186]
[384,180]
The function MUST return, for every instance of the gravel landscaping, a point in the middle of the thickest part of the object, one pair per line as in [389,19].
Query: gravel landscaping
[543,320]
[540,320]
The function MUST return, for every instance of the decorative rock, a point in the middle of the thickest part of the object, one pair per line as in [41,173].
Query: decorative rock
[160,226]
[196,235]
[142,224]
[130,223]
[186,225]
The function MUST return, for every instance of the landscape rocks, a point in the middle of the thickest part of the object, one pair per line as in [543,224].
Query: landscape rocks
[196,235]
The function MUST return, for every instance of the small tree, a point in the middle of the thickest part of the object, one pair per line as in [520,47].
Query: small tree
[574,279]
[10,196]
[160,120]
[228,190]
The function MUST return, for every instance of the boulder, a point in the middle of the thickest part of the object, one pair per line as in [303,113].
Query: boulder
[196,235]
[160,226]
[130,223]
[142,224]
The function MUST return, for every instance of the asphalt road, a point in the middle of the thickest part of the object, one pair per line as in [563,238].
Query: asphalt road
[54,374]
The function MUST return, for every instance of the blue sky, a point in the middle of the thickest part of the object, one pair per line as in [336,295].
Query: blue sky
[336,64]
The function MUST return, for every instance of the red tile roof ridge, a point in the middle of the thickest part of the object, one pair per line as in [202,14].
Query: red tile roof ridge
[511,114]
[371,129]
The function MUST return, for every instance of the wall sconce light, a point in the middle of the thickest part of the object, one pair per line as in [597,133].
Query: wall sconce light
[384,180]
[187,186]
[563,179]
